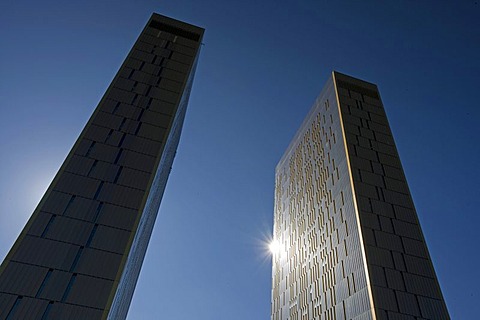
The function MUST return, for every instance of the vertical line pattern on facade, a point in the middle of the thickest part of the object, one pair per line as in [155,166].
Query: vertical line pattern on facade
[77,257]
[47,227]
[11,313]
[69,287]
[357,215]
[47,311]
[44,282]
[90,238]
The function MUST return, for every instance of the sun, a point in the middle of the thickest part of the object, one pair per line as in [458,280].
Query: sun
[274,246]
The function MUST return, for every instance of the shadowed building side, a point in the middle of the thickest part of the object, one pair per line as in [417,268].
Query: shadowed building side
[80,254]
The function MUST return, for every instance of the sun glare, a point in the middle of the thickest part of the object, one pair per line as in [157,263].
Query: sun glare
[274,247]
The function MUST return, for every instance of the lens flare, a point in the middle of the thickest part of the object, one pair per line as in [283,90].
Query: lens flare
[274,247]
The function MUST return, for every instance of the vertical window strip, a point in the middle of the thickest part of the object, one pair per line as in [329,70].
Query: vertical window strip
[118,156]
[121,140]
[109,135]
[117,105]
[141,114]
[90,149]
[89,241]
[14,308]
[134,99]
[98,190]
[69,204]
[69,287]
[118,175]
[159,73]
[138,128]
[97,212]
[47,311]
[122,124]
[77,257]
[52,218]
[148,91]
[92,167]
[44,282]
[149,103]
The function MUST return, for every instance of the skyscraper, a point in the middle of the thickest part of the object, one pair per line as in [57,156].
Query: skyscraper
[350,243]
[80,254]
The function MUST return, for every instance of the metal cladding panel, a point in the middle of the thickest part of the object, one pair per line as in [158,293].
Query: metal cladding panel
[30,308]
[99,263]
[22,279]
[404,283]
[73,312]
[89,233]
[54,288]
[319,272]
[89,291]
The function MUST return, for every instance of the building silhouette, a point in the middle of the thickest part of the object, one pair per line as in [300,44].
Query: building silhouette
[349,241]
[80,254]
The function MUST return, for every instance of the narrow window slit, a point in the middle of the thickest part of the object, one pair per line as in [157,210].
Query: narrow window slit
[69,287]
[131,73]
[116,107]
[77,257]
[138,128]
[97,212]
[148,90]
[90,149]
[44,282]
[118,175]
[121,140]
[159,73]
[47,311]
[14,308]
[109,135]
[92,168]
[118,156]
[148,104]
[134,99]
[52,218]
[89,241]
[122,124]
[98,190]
[69,204]
[140,115]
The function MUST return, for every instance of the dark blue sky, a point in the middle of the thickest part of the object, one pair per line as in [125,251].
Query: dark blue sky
[260,70]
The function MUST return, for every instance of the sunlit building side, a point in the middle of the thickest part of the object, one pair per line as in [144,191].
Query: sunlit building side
[80,254]
[348,244]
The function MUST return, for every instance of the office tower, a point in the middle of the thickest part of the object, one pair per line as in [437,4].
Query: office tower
[80,254]
[350,244]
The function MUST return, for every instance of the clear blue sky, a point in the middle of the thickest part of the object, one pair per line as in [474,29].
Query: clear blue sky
[261,68]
